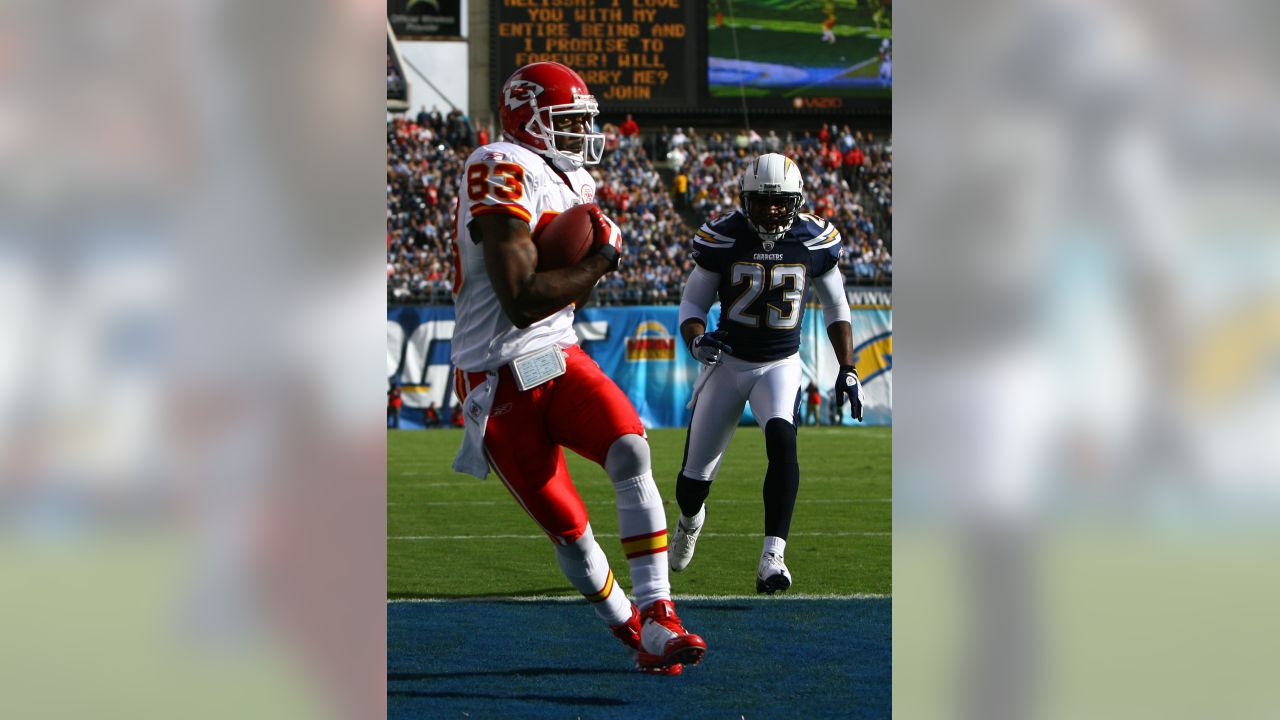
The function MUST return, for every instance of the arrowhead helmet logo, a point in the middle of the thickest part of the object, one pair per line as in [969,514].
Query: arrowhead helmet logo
[521,92]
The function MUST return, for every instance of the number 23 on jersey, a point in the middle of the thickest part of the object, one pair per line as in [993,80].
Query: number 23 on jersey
[781,282]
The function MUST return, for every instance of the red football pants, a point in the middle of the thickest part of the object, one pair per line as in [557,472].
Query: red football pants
[582,410]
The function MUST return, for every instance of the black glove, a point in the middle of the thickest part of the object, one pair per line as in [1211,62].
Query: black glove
[707,348]
[847,385]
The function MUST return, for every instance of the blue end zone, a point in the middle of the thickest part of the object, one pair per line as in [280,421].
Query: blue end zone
[767,658]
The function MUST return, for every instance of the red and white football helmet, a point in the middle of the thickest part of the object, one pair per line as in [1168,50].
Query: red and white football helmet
[533,97]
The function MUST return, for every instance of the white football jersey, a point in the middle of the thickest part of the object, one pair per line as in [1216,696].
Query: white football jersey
[506,178]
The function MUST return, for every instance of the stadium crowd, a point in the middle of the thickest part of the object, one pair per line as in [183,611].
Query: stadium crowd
[848,181]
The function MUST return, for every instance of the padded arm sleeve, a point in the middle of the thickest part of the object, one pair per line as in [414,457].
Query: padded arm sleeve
[699,293]
[830,289]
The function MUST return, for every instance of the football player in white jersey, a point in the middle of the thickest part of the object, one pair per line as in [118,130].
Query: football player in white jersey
[527,389]
[760,261]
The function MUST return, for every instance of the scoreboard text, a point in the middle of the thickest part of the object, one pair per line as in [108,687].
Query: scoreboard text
[632,53]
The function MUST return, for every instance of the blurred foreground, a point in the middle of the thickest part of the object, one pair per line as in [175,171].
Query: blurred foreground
[191,459]
[1088,324]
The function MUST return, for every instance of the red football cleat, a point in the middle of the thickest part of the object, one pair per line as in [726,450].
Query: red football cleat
[629,633]
[663,640]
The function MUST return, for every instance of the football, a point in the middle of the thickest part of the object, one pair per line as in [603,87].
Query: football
[566,239]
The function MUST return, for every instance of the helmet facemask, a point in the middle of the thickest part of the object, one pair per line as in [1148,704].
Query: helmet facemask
[770,214]
[568,150]
[772,191]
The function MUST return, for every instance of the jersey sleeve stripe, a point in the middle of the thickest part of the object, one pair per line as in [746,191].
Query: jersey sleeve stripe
[825,240]
[503,209]
[706,239]
[822,236]
[713,235]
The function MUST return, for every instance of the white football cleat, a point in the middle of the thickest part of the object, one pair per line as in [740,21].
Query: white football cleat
[680,551]
[772,575]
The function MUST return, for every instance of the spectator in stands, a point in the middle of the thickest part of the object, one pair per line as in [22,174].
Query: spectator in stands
[863,267]
[629,130]
[853,159]
[846,138]
[611,137]
[680,190]
[883,262]
[678,138]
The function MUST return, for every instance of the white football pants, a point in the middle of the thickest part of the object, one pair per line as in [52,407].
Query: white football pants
[772,388]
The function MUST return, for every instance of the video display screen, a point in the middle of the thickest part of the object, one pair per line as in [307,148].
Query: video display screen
[799,49]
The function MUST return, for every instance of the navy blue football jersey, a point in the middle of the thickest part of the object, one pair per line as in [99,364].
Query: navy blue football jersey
[763,284]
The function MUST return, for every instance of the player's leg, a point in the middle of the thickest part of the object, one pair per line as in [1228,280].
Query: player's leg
[593,417]
[711,427]
[643,527]
[532,467]
[773,400]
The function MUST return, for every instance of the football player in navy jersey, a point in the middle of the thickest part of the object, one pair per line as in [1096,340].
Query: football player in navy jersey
[760,261]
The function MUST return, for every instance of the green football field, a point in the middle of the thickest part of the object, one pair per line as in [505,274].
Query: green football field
[453,536]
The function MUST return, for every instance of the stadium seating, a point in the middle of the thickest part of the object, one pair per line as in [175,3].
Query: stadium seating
[848,181]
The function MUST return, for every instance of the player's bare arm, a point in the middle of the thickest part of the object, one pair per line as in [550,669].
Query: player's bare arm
[840,333]
[695,300]
[510,258]
[835,309]
[692,328]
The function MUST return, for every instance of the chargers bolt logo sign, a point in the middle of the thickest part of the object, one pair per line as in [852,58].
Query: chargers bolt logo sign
[874,357]
[652,341]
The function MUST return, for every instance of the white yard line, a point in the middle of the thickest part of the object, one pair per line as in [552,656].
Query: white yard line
[676,596]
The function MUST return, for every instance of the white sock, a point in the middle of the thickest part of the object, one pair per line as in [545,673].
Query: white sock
[775,545]
[695,522]
[586,567]
[643,527]
[642,523]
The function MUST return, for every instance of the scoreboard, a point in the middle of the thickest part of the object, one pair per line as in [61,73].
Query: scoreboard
[633,54]
[688,57]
